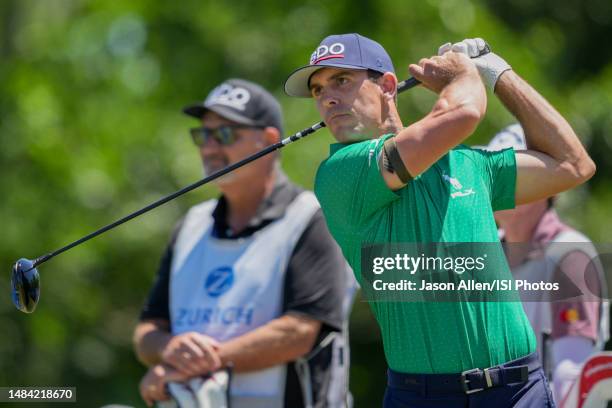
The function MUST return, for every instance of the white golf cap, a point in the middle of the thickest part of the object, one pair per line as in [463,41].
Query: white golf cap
[510,136]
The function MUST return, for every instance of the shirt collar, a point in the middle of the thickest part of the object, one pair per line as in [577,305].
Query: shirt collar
[270,209]
[548,227]
[334,147]
[545,231]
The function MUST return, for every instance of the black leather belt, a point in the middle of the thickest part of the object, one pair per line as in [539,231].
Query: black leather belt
[469,381]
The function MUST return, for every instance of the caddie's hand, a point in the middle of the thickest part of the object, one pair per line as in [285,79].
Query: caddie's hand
[192,353]
[490,65]
[153,385]
[437,72]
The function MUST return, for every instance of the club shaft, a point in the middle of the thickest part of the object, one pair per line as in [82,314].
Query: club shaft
[182,191]
[407,84]
[402,86]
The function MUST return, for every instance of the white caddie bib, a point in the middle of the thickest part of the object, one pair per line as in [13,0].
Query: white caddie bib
[225,288]
[539,313]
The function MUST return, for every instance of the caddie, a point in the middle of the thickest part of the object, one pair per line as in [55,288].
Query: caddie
[250,282]
[571,324]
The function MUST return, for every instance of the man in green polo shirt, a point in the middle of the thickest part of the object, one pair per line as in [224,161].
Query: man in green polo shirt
[384,183]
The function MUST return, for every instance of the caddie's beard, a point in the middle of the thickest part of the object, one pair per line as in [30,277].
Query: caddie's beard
[212,166]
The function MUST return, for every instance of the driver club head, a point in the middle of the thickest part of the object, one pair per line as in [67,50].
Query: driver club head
[25,284]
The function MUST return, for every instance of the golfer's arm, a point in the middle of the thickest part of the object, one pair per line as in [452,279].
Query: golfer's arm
[459,108]
[150,338]
[279,341]
[556,160]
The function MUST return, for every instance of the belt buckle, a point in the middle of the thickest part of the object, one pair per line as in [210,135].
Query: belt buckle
[465,381]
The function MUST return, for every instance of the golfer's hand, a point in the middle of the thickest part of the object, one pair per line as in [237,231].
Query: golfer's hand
[490,66]
[153,385]
[192,353]
[437,72]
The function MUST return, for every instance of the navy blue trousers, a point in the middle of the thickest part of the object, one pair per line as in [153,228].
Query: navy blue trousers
[534,393]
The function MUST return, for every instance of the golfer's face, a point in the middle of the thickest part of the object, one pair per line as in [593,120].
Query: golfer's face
[218,153]
[349,103]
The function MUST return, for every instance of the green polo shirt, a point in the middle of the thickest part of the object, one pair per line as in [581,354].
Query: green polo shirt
[453,201]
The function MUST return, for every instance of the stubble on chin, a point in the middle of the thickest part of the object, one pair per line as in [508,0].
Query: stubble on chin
[356,134]
[225,179]
[210,170]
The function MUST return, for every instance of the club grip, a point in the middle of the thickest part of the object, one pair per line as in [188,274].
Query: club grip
[411,82]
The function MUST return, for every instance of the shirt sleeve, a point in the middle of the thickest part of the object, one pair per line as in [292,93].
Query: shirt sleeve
[316,277]
[499,176]
[349,184]
[157,304]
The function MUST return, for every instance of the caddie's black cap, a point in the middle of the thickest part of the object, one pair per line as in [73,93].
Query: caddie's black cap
[243,102]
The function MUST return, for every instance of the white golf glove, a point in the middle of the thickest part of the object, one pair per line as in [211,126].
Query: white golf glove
[490,65]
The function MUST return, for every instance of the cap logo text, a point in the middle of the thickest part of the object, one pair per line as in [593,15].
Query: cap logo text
[324,52]
[227,95]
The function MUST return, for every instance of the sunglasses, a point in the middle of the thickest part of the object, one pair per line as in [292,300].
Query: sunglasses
[224,135]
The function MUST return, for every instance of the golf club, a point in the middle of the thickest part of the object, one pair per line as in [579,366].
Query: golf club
[25,279]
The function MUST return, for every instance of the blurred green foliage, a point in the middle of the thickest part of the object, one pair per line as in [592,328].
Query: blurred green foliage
[91,129]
